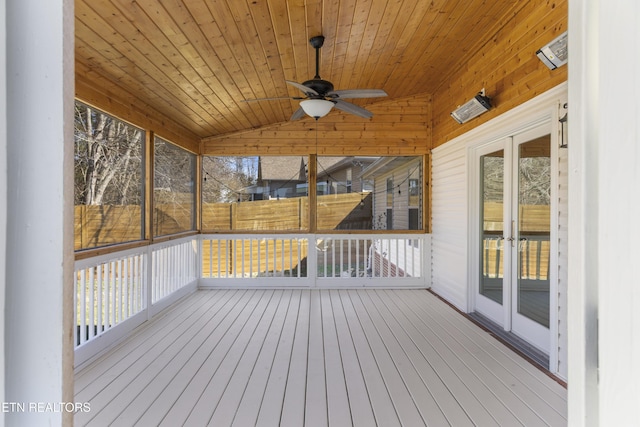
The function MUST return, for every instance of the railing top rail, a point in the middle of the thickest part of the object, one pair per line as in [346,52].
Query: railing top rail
[358,236]
[114,256]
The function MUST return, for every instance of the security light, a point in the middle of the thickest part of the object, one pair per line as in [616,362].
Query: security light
[556,53]
[473,108]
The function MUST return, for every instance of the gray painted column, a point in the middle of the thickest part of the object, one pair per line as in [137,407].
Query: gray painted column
[39,239]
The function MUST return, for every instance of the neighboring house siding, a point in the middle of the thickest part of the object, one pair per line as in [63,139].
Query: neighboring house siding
[400,205]
[401,200]
[449,223]
[380,204]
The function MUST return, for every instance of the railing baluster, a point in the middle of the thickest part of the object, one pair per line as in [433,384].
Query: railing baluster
[83,304]
[242,272]
[251,257]
[91,318]
[325,248]
[281,257]
[275,257]
[538,258]
[100,301]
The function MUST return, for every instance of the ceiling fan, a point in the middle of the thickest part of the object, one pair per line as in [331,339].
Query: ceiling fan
[320,96]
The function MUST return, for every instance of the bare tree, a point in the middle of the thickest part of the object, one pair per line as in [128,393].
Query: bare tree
[225,178]
[108,159]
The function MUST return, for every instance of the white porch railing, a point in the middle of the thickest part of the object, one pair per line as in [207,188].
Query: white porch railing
[309,260]
[119,291]
[534,252]
[124,289]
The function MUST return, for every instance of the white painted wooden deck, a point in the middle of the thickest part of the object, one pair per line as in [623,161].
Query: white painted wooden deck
[315,358]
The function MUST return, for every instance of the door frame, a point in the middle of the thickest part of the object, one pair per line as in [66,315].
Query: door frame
[545,108]
[519,321]
[492,310]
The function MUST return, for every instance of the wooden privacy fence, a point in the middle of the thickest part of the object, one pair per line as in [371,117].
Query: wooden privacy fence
[246,257]
[110,224]
[333,212]
[104,225]
[533,251]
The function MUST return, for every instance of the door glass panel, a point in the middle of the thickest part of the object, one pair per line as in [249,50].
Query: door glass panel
[491,209]
[534,214]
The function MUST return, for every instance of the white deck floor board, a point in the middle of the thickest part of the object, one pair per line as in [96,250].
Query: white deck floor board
[295,397]
[457,376]
[169,377]
[119,358]
[156,364]
[381,404]
[338,405]
[502,371]
[177,381]
[401,393]
[137,368]
[316,411]
[356,387]
[315,357]
[434,383]
[223,367]
[265,391]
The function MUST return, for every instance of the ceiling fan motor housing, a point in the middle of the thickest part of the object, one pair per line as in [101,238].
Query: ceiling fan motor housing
[322,87]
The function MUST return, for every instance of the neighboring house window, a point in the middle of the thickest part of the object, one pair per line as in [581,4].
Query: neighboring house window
[108,179]
[348,181]
[414,203]
[174,197]
[389,203]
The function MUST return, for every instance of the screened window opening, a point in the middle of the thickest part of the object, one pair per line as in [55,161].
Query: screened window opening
[255,193]
[365,192]
[173,189]
[108,179]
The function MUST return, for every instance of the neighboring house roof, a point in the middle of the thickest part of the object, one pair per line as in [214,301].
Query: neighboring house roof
[293,168]
[386,164]
[281,168]
[327,165]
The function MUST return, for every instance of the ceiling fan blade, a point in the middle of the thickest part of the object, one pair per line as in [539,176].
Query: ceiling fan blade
[348,107]
[272,99]
[356,93]
[306,90]
[298,114]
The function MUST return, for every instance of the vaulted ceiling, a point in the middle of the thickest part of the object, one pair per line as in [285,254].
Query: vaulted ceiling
[197,60]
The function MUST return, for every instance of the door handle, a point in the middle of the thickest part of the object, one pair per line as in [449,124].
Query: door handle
[512,239]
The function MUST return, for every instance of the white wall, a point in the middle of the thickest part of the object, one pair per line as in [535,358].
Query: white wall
[451,274]
[449,223]
[39,239]
[604,207]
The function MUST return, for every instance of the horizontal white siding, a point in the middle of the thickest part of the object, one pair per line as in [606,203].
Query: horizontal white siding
[449,223]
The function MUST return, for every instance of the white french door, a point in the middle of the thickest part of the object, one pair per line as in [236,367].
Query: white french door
[515,203]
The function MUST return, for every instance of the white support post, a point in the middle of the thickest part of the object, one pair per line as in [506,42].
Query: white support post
[38,320]
[3,192]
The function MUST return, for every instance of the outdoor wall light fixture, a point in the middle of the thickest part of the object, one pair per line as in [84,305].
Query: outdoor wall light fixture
[316,108]
[556,53]
[473,108]
[563,128]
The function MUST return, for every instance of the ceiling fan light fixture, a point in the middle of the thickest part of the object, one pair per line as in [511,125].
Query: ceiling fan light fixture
[316,108]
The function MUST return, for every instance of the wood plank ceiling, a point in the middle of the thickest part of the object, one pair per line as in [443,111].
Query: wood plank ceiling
[196,60]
